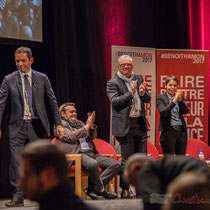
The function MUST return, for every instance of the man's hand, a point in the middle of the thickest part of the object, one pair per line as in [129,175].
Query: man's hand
[90,121]
[142,88]
[60,131]
[180,93]
[133,87]
[178,96]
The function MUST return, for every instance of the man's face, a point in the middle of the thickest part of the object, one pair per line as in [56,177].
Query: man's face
[30,181]
[125,67]
[22,62]
[171,88]
[70,113]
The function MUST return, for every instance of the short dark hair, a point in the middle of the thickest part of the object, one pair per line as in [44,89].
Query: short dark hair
[43,154]
[24,50]
[63,106]
[170,78]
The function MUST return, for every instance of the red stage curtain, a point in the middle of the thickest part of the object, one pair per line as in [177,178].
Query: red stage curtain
[116,14]
[199,27]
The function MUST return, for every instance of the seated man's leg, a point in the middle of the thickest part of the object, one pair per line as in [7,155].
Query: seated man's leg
[109,166]
[91,165]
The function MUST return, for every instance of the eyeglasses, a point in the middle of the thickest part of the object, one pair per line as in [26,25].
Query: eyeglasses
[125,64]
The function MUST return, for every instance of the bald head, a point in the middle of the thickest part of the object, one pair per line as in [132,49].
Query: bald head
[133,166]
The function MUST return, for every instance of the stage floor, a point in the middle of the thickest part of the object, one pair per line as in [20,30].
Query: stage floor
[116,204]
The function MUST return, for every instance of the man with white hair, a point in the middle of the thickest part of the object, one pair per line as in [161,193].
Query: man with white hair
[127,93]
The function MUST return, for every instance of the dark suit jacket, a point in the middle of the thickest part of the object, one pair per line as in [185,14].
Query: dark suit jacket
[62,197]
[165,108]
[121,100]
[11,89]
[158,174]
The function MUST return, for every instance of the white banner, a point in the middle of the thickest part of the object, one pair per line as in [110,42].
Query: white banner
[144,61]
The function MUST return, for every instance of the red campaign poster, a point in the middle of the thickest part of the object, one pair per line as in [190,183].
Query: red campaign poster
[191,69]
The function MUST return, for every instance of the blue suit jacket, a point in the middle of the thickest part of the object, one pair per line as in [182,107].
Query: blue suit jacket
[11,89]
[121,100]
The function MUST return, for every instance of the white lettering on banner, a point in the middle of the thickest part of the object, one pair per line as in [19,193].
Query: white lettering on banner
[195,133]
[191,81]
[196,108]
[162,91]
[162,80]
[193,94]
[187,81]
[196,58]
[196,122]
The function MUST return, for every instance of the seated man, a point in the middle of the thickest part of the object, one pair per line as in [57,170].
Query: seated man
[43,177]
[78,139]
[151,177]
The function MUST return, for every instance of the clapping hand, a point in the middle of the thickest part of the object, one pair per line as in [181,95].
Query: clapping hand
[178,96]
[142,87]
[90,121]
[133,87]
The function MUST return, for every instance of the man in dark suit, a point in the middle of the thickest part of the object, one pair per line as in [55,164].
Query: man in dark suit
[44,177]
[152,177]
[127,93]
[27,92]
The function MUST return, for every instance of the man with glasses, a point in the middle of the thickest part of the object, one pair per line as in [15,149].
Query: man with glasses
[127,93]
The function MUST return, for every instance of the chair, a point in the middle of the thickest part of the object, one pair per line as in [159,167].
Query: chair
[76,171]
[151,149]
[80,175]
[195,145]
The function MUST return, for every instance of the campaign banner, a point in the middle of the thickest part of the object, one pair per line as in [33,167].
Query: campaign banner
[191,69]
[144,61]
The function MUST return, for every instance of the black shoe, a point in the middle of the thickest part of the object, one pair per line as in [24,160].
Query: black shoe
[91,194]
[127,194]
[15,202]
[106,194]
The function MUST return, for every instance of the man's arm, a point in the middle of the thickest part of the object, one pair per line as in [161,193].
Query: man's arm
[71,135]
[93,127]
[165,110]
[143,92]
[182,106]
[116,99]
[146,98]
[4,92]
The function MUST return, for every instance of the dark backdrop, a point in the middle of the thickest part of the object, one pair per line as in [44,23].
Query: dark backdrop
[75,54]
